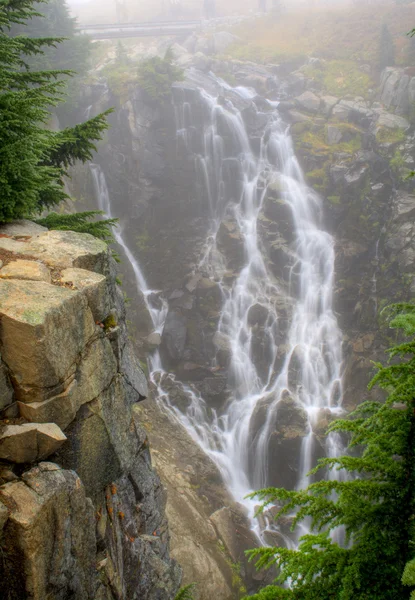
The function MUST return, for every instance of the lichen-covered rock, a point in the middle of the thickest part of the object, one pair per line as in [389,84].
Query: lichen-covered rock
[43,330]
[95,288]
[25,269]
[30,442]
[65,350]
[48,544]
[60,409]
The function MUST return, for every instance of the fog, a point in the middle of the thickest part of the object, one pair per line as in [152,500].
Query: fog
[90,10]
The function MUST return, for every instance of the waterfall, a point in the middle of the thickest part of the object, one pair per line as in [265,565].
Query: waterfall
[104,204]
[313,344]
[301,369]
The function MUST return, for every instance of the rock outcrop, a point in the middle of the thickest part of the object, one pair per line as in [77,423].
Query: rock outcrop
[90,523]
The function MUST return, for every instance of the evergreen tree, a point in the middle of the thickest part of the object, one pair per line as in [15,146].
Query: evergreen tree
[33,159]
[72,53]
[375,505]
[386,48]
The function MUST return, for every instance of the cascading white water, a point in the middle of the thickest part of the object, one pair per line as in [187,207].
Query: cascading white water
[104,204]
[234,181]
[314,339]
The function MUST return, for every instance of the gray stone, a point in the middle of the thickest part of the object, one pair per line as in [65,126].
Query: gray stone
[309,102]
[223,348]
[327,104]
[222,40]
[174,334]
[396,90]
[334,135]
[133,375]
[30,442]
[153,340]
[23,228]
[391,121]
[298,117]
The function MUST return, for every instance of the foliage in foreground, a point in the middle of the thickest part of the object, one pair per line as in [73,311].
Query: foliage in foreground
[81,223]
[186,592]
[33,159]
[374,505]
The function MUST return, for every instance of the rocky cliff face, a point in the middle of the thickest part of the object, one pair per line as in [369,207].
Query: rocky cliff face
[355,153]
[82,512]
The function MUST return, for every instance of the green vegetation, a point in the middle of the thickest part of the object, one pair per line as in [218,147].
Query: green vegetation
[110,322]
[344,33]
[186,592]
[340,77]
[390,136]
[81,223]
[335,200]
[33,159]
[72,53]
[156,76]
[238,585]
[311,139]
[143,241]
[397,162]
[374,506]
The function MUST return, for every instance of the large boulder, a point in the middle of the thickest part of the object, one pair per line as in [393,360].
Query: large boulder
[231,244]
[48,544]
[391,121]
[93,285]
[173,339]
[288,429]
[396,90]
[223,347]
[401,231]
[25,269]
[43,330]
[30,442]
[61,249]
[308,102]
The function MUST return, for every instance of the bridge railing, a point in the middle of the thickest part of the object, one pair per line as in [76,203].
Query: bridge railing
[145,25]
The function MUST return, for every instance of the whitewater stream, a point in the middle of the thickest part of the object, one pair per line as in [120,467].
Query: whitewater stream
[303,369]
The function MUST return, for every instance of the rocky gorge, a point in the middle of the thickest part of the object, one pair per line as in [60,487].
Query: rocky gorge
[355,153]
[250,202]
[82,510]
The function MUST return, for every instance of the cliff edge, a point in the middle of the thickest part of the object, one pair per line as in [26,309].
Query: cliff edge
[82,512]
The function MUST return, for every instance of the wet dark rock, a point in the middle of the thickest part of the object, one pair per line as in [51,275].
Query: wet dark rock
[223,349]
[189,371]
[230,243]
[257,315]
[173,338]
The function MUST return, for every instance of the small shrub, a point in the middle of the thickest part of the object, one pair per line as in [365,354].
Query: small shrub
[81,223]
[156,76]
